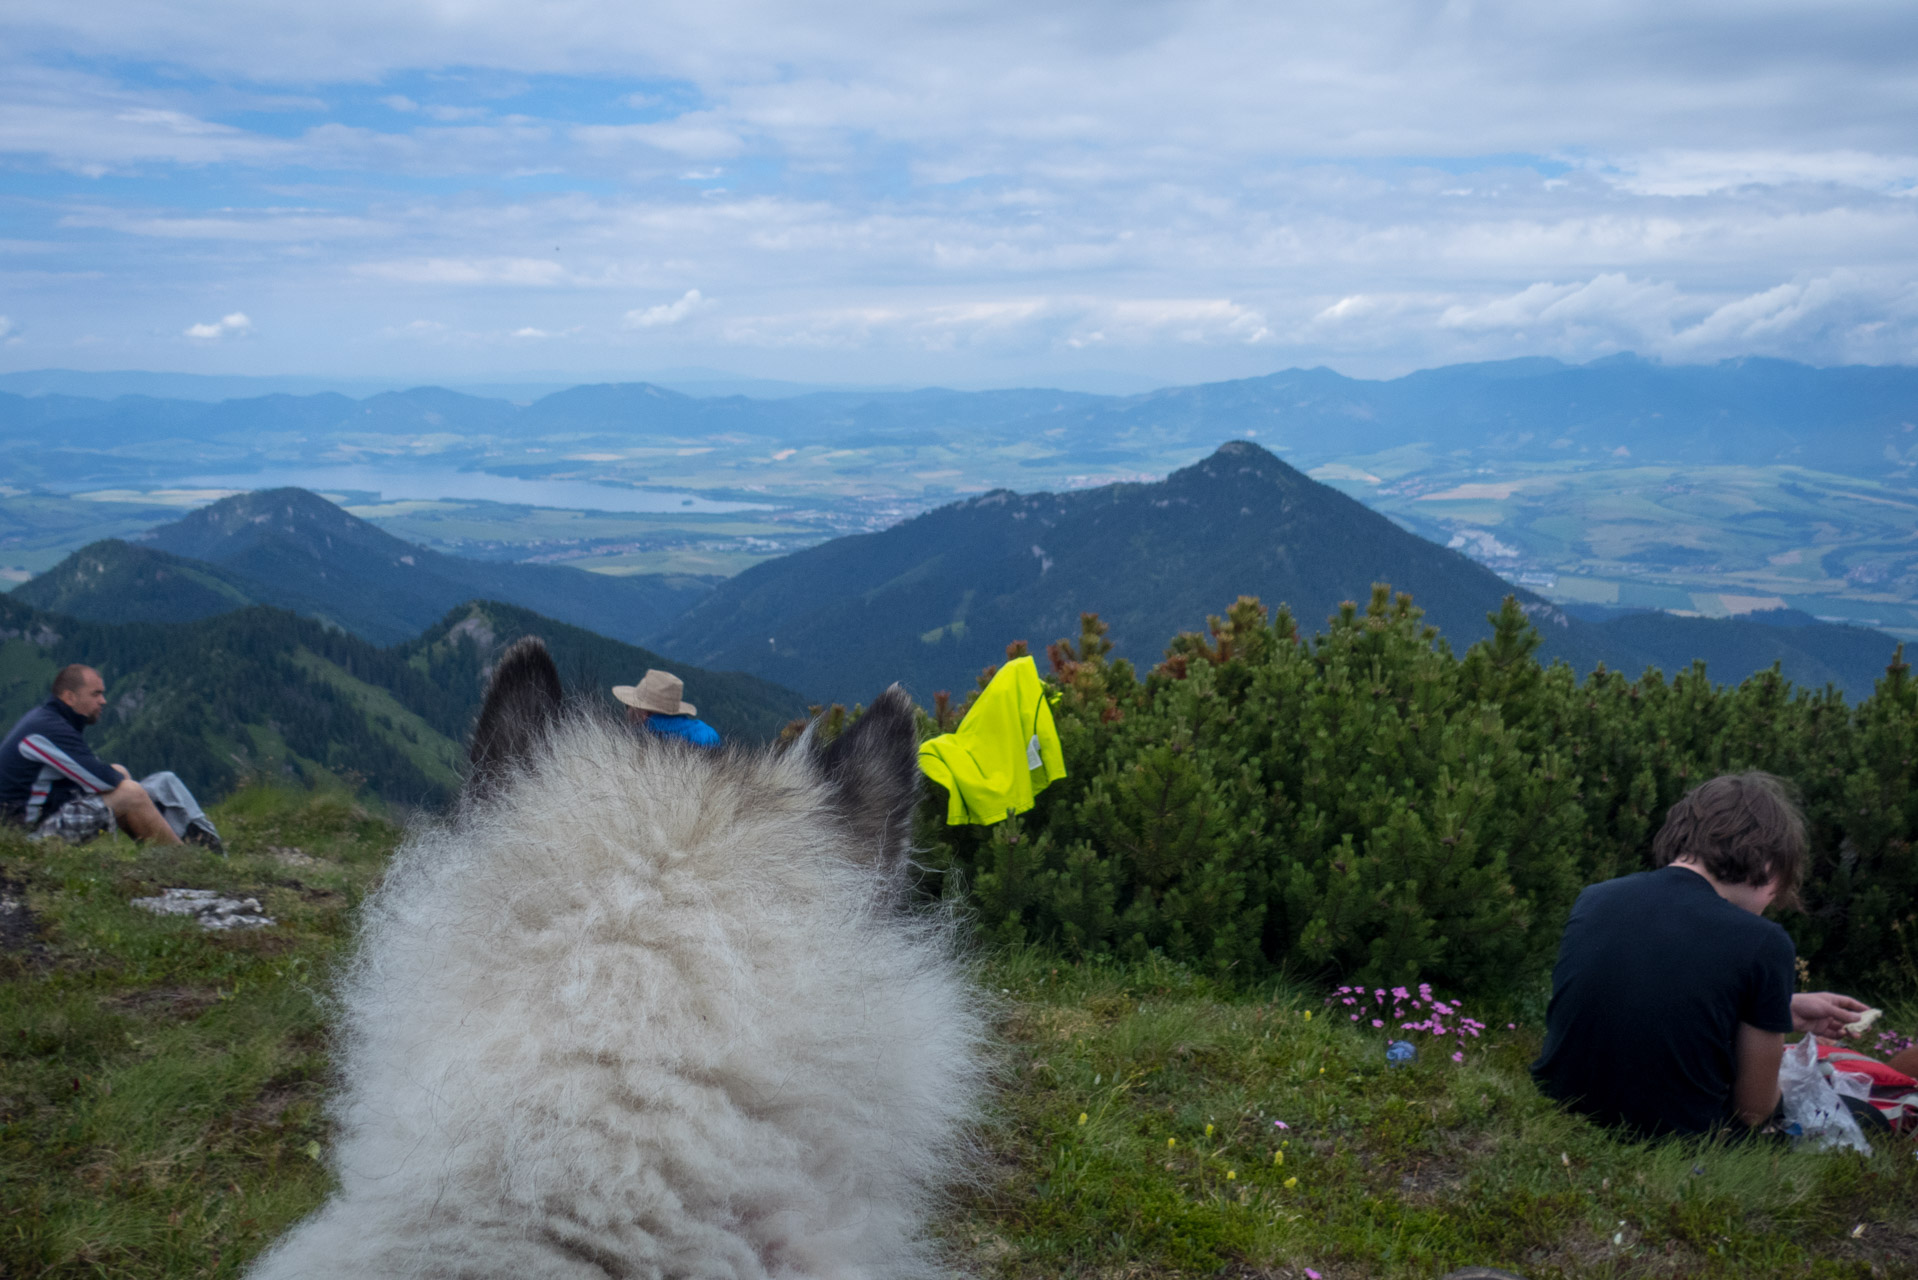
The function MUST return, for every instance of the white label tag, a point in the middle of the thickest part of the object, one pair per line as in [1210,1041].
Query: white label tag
[1032,754]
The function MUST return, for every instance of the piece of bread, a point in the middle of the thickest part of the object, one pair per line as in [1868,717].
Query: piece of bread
[1863,1024]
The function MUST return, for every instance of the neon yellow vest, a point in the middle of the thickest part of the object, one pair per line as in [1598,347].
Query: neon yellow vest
[1003,753]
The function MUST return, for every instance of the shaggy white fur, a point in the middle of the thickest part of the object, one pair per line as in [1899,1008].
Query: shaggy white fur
[640,1010]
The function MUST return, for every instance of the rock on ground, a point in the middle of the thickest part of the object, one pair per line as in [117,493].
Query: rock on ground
[211,910]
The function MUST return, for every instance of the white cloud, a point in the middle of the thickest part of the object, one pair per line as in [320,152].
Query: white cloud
[1066,323]
[1701,172]
[1609,307]
[426,329]
[689,305]
[1218,187]
[538,272]
[696,135]
[267,224]
[234,325]
[6,327]
[1838,317]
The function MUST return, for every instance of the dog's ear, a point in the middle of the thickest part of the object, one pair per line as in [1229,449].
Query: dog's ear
[522,701]
[873,768]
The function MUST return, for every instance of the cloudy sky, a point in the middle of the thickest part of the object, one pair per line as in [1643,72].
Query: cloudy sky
[976,192]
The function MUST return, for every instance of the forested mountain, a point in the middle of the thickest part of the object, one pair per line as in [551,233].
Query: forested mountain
[264,692]
[934,599]
[295,550]
[115,581]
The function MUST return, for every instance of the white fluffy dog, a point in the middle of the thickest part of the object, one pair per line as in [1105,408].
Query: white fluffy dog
[641,1010]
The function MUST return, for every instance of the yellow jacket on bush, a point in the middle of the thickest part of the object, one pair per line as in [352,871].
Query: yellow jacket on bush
[1002,754]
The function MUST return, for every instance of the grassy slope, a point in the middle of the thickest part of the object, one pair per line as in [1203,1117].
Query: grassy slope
[160,1086]
[160,1094]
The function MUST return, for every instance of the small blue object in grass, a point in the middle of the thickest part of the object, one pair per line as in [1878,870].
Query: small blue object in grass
[1400,1052]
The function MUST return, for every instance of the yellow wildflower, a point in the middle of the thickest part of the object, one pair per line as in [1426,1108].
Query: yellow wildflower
[1291,1183]
[1278,1157]
[1082,1119]
[1208,1131]
[1308,1015]
[1171,1143]
[1231,1175]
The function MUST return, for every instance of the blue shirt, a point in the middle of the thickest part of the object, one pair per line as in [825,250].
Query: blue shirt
[697,732]
[45,762]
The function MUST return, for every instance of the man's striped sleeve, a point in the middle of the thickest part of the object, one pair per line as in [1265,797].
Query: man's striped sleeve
[87,773]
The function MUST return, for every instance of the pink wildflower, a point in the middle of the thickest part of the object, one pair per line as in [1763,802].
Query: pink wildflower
[1458,1057]
[1377,1023]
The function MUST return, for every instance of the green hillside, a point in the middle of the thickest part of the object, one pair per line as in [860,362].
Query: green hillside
[261,692]
[1809,653]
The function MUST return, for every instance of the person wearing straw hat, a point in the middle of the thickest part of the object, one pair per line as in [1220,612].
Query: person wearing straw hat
[658,703]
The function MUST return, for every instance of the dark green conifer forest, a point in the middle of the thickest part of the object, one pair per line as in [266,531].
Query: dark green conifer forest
[1367,805]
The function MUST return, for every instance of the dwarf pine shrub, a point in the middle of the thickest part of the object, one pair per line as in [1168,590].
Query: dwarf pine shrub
[1366,806]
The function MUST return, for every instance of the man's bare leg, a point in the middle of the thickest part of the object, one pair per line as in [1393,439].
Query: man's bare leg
[137,815]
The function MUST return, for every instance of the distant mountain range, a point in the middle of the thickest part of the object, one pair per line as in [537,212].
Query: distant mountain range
[934,599]
[294,550]
[1858,420]
[260,692]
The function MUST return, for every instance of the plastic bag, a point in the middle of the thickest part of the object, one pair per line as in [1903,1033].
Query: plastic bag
[1852,1084]
[1813,1105]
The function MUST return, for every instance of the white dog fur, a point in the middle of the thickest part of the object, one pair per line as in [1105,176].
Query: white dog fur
[641,1010]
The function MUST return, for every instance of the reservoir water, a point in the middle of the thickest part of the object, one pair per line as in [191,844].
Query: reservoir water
[393,483]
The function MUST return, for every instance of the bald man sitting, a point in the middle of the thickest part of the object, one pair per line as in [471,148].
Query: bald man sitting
[53,784]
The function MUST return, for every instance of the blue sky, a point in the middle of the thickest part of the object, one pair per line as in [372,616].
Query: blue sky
[971,193]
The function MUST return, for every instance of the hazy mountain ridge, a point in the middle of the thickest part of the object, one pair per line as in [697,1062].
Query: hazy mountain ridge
[295,550]
[1753,411]
[934,599]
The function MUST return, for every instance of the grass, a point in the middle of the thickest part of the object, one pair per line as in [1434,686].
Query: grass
[161,1088]
[1386,1171]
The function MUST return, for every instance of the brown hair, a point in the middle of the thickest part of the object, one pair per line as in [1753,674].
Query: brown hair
[70,678]
[1744,828]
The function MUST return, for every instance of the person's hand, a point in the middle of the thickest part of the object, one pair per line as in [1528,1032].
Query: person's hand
[1824,1013]
[122,771]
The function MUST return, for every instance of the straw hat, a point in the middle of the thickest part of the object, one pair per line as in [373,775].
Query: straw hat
[659,692]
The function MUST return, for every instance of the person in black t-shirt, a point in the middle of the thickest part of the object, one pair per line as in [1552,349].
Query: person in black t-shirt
[1673,994]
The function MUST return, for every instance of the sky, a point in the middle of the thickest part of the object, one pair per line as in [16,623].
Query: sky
[971,193]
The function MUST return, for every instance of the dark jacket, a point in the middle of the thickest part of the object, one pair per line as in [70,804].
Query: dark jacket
[45,762]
